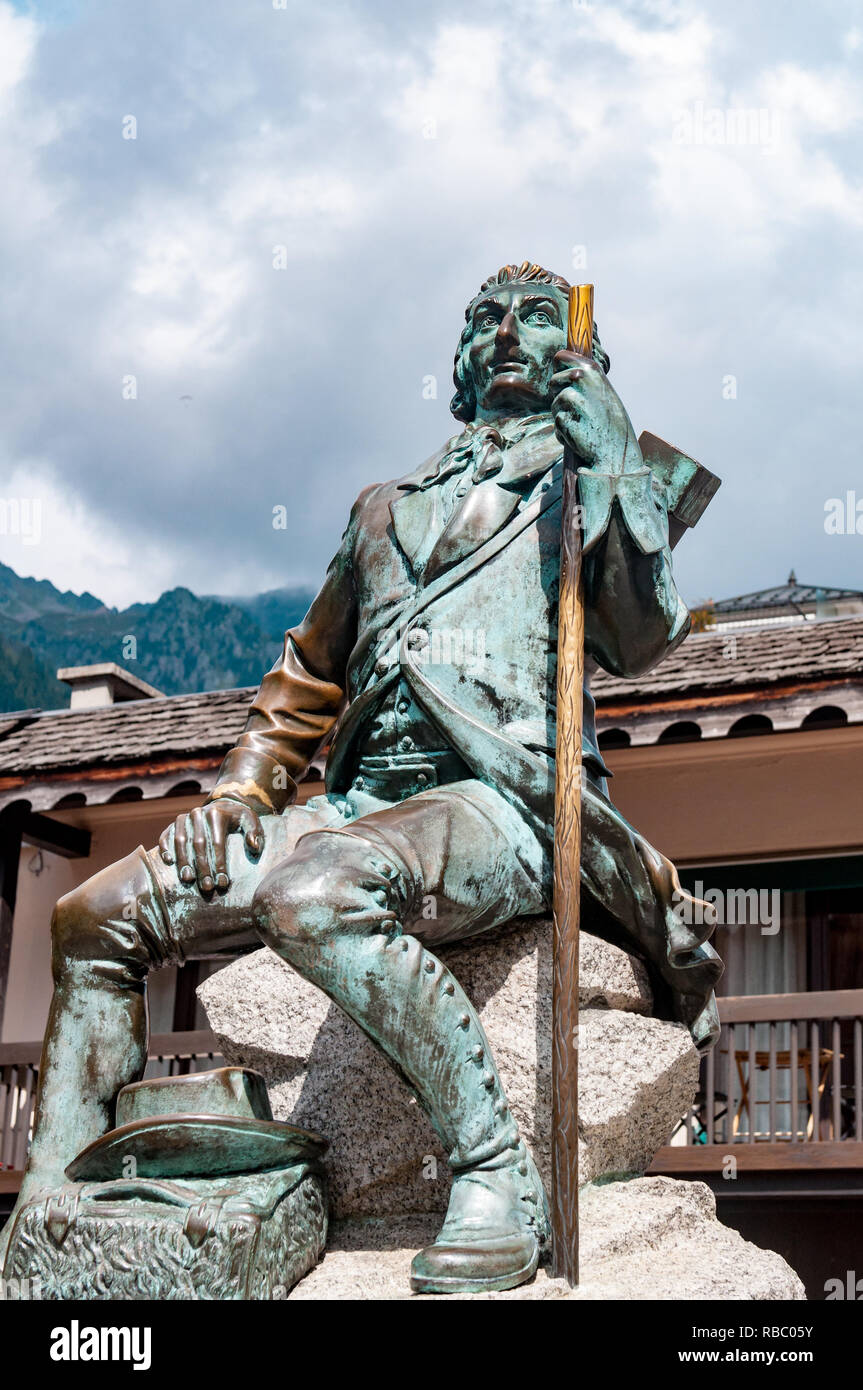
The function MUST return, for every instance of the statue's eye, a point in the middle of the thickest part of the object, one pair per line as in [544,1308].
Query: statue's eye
[489,321]
[539,316]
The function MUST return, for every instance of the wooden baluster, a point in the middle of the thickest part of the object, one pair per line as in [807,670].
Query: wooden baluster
[7,1138]
[34,1091]
[710,1095]
[836,1082]
[772,1080]
[795,1082]
[858,1080]
[815,1078]
[730,1067]
[22,1127]
[753,1081]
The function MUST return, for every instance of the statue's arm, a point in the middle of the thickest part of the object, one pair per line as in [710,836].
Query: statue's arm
[300,699]
[633,612]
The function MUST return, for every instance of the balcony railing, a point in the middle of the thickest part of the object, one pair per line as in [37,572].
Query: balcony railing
[170,1054]
[788,1068]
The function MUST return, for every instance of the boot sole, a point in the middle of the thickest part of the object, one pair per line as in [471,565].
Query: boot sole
[421,1283]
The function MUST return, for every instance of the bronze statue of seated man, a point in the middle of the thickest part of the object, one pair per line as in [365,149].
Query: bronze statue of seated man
[429,660]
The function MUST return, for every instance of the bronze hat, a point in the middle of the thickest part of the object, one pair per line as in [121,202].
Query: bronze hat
[205,1124]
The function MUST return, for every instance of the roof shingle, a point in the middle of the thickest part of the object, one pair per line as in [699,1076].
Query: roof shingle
[759,657]
[178,725]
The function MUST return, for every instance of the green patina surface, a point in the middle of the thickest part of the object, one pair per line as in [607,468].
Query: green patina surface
[428,659]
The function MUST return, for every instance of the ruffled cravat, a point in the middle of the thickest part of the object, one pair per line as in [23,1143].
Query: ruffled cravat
[480,449]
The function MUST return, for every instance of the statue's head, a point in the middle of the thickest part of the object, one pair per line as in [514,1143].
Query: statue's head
[505,358]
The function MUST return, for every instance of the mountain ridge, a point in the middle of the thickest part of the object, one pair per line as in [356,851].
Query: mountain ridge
[181,643]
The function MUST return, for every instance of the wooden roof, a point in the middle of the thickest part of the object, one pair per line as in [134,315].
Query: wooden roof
[755,658]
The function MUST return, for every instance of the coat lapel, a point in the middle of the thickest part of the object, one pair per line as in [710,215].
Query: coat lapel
[488,505]
[416,516]
[418,513]
[485,509]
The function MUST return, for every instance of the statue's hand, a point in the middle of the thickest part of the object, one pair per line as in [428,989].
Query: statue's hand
[590,418]
[195,841]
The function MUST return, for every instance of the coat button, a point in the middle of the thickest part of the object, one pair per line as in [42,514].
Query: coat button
[406,743]
[381,667]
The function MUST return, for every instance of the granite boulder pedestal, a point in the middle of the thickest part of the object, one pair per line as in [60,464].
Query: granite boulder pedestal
[388,1179]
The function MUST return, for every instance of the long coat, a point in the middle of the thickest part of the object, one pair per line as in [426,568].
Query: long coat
[472,630]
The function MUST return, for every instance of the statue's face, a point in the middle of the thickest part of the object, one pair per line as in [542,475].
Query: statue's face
[517,329]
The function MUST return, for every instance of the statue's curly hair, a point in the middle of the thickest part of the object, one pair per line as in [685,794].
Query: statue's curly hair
[463,403]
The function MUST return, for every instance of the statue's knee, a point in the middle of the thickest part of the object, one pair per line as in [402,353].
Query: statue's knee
[309,898]
[94,921]
[74,929]
[292,909]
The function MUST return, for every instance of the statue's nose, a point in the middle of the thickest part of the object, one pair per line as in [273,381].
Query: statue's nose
[508,329]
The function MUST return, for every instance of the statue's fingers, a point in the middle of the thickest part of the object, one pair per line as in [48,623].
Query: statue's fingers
[182,848]
[253,830]
[165,845]
[568,378]
[567,358]
[203,853]
[218,837]
[567,402]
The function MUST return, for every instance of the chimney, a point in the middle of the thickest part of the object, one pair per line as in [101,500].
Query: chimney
[93,687]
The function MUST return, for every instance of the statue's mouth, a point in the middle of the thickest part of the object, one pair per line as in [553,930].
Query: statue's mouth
[500,368]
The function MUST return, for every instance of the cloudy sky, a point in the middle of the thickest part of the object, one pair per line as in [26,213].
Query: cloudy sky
[699,161]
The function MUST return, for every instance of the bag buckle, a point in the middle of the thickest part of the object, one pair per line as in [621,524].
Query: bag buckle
[61,1209]
[202,1220]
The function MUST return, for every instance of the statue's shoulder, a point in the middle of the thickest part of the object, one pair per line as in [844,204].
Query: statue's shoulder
[370,514]
[382,494]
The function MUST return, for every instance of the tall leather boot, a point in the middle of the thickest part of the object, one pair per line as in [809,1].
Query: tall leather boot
[419,1015]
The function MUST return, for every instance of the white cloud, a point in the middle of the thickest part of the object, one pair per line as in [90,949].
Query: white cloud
[830,100]
[678,49]
[18,37]
[60,538]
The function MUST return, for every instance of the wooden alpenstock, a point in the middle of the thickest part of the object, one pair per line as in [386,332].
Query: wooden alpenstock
[567,846]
